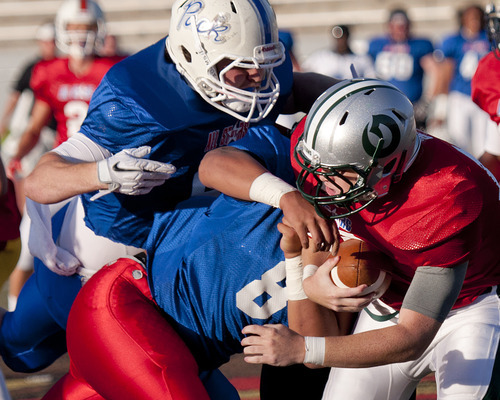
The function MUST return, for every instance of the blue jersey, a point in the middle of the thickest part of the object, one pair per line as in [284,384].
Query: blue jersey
[466,54]
[143,100]
[399,63]
[216,266]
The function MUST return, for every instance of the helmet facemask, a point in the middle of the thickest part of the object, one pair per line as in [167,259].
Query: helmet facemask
[80,43]
[80,28]
[352,196]
[254,102]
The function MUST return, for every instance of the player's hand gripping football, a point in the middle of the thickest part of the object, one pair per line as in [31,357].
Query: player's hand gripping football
[302,217]
[129,173]
[320,288]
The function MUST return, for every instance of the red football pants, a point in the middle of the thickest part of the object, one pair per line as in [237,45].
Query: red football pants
[120,345]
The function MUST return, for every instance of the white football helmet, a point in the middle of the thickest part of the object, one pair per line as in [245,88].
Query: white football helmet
[244,32]
[361,125]
[80,43]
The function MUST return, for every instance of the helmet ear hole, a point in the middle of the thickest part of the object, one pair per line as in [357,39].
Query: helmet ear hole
[233,8]
[344,118]
[186,54]
[398,115]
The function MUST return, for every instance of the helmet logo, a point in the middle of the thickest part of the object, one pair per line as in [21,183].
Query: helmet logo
[385,128]
[214,29]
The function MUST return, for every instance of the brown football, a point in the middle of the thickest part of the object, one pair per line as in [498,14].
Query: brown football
[360,264]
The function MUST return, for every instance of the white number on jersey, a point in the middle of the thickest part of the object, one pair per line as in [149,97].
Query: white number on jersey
[75,112]
[398,66]
[267,286]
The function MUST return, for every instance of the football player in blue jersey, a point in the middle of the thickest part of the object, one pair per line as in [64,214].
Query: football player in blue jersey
[403,59]
[213,267]
[150,122]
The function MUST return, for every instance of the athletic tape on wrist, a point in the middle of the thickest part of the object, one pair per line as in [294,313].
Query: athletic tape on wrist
[294,290]
[315,350]
[269,189]
[309,270]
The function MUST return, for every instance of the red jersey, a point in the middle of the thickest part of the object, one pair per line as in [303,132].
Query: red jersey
[445,210]
[486,86]
[68,95]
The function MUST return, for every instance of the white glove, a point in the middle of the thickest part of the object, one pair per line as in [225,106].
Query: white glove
[129,173]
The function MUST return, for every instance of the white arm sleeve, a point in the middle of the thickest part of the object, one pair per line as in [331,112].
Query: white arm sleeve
[79,148]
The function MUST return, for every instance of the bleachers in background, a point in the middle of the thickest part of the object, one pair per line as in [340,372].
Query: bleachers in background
[139,22]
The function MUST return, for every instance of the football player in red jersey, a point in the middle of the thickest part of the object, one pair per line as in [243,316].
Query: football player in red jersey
[434,210]
[486,88]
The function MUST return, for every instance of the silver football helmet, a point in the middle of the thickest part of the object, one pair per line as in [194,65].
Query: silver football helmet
[80,43]
[244,33]
[361,125]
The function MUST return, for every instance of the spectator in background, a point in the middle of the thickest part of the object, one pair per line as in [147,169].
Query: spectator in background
[403,60]
[336,61]
[467,124]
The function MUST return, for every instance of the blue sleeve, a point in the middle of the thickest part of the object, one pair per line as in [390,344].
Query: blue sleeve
[115,125]
[271,148]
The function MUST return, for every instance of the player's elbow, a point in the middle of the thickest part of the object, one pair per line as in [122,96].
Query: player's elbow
[211,165]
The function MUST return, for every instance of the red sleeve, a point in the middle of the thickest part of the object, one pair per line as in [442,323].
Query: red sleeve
[486,86]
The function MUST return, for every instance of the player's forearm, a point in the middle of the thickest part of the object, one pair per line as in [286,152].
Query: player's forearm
[399,343]
[54,179]
[230,171]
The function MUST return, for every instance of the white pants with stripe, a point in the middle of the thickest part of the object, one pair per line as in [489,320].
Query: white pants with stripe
[462,355]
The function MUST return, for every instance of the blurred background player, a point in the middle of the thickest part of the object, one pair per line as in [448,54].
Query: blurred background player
[404,60]
[486,89]
[336,61]
[467,125]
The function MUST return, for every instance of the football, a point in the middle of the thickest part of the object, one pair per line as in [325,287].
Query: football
[360,264]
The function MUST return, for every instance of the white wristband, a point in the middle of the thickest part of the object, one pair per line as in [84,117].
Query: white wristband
[293,267]
[309,270]
[269,189]
[315,350]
